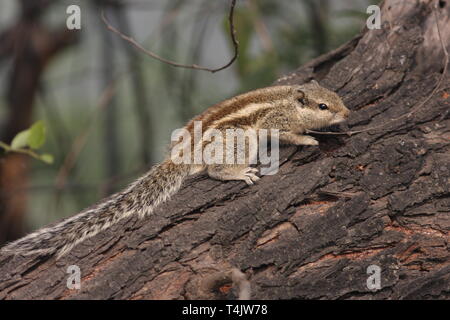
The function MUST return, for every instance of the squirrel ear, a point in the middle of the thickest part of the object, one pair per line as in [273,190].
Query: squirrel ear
[301,97]
[301,94]
[314,82]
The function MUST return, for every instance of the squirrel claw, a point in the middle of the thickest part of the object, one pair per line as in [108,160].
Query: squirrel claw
[249,175]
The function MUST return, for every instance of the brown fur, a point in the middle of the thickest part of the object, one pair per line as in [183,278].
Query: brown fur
[291,109]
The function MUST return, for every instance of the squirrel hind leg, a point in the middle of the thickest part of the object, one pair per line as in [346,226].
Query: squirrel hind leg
[233,172]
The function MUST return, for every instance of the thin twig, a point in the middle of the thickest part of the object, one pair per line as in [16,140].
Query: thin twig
[417,107]
[176,64]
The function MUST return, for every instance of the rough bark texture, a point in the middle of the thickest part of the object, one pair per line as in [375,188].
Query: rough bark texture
[310,231]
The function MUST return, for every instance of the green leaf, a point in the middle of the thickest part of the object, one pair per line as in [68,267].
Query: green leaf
[47,158]
[37,135]
[21,139]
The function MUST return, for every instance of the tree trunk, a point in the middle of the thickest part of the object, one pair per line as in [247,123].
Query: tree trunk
[312,230]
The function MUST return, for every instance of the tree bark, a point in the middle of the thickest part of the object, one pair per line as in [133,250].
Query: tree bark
[312,230]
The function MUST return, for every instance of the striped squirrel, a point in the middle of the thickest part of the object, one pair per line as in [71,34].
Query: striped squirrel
[292,109]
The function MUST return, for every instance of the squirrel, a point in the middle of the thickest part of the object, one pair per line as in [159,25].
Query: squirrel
[292,109]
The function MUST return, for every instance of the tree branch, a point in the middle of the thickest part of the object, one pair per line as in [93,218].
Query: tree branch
[176,64]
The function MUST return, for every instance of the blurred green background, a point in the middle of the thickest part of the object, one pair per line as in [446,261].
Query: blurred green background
[109,109]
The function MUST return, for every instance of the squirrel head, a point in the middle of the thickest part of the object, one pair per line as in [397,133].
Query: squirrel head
[320,106]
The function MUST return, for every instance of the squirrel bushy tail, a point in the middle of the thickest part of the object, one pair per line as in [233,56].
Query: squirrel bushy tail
[140,199]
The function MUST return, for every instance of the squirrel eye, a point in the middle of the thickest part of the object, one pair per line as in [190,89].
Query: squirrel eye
[302,100]
[323,106]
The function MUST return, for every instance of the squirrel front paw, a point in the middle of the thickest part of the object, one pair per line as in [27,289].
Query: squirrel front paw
[296,139]
[308,141]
